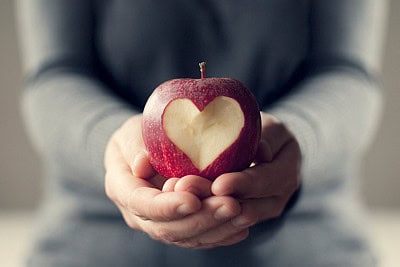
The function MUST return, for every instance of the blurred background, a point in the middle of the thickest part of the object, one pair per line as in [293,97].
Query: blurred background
[20,168]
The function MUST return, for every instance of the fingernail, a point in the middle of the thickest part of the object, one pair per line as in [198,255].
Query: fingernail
[184,209]
[222,213]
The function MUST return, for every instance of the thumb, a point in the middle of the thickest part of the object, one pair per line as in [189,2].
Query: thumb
[141,166]
[264,152]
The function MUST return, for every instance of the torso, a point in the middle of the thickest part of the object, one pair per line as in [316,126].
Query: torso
[241,41]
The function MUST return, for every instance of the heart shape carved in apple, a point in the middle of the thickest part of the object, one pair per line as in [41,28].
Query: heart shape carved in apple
[205,127]
[203,135]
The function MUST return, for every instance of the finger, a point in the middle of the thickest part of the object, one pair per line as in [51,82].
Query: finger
[237,229]
[251,183]
[257,210]
[112,155]
[119,180]
[264,152]
[280,177]
[157,181]
[141,198]
[128,138]
[152,204]
[274,135]
[131,145]
[215,211]
[235,238]
[221,235]
[169,185]
[197,185]
[141,166]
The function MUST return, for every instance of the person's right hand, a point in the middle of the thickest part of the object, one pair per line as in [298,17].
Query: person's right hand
[178,211]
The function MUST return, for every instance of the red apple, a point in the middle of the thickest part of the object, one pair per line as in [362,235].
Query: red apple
[205,127]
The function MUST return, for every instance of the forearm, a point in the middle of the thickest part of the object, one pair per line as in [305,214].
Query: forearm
[335,104]
[334,116]
[71,117]
[68,106]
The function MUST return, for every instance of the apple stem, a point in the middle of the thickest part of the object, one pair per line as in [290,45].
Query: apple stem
[203,69]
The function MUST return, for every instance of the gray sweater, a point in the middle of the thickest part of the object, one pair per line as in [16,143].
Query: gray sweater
[90,65]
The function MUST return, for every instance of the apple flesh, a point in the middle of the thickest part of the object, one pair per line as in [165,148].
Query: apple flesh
[205,127]
[203,135]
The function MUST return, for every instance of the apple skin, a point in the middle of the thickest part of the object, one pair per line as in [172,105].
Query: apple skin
[167,159]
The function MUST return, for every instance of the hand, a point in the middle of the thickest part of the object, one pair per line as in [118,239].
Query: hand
[180,212]
[265,188]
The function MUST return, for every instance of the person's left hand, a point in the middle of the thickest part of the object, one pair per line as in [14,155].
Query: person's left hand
[265,188]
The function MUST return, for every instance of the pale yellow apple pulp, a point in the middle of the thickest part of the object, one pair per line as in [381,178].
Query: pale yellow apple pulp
[203,135]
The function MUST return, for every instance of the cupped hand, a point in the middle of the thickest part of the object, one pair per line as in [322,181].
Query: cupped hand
[181,212]
[265,188]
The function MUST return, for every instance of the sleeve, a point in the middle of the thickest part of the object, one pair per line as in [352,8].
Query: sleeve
[335,106]
[69,111]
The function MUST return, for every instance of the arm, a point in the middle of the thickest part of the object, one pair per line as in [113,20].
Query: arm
[68,108]
[331,114]
[334,109]
[77,122]
[320,114]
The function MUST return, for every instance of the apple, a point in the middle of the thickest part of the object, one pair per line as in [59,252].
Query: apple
[205,127]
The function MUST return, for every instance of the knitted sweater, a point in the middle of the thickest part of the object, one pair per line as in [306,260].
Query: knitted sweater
[90,65]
